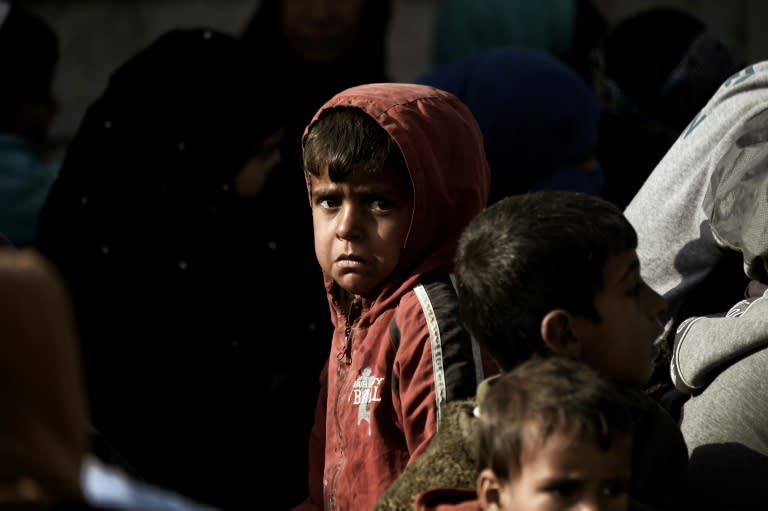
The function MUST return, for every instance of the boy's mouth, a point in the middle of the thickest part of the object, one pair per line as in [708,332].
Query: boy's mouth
[349,261]
[350,257]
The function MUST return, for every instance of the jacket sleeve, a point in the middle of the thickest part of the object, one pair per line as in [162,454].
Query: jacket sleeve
[700,350]
[317,450]
[435,362]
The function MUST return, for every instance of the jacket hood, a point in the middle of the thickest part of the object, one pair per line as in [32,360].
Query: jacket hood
[705,346]
[44,426]
[443,148]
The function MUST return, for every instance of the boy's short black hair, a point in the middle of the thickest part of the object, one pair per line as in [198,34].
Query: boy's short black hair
[529,254]
[349,140]
[539,398]
[29,52]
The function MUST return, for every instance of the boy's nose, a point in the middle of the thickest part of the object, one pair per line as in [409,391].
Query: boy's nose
[348,226]
[586,505]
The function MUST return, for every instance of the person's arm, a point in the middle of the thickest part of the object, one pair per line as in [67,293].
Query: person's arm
[436,361]
[448,461]
[676,248]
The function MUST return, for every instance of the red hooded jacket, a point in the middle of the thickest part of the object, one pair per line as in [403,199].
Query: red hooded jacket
[398,357]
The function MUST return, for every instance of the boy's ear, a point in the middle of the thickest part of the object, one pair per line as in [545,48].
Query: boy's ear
[489,490]
[558,333]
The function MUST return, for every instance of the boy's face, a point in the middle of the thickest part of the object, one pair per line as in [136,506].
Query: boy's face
[565,473]
[621,346]
[360,226]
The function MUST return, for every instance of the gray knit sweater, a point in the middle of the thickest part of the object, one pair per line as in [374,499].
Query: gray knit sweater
[677,248]
[707,197]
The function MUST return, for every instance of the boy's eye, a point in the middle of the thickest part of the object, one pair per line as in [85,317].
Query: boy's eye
[327,202]
[563,489]
[380,204]
[615,488]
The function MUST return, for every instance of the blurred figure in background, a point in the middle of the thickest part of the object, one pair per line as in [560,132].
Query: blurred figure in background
[539,119]
[567,29]
[651,88]
[190,274]
[29,53]
[314,49]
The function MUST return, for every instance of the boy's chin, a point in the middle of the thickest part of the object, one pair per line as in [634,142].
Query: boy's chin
[356,287]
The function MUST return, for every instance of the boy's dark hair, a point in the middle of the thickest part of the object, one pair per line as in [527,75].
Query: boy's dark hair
[29,52]
[529,254]
[541,397]
[349,140]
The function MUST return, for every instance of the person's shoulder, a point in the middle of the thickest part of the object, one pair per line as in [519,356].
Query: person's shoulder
[654,425]
[452,447]
[429,309]
[448,462]
[643,405]
[435,291]
[459,416]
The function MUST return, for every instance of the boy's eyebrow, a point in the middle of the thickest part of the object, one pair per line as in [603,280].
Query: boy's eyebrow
[374,189]
[323,187]
[364,189]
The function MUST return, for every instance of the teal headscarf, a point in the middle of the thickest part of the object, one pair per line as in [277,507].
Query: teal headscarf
[25,180]
[465,27]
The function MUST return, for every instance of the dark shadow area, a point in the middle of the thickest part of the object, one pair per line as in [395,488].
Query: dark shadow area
[727,476]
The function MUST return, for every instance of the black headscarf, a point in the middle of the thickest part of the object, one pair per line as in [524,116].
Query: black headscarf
[311,84]
[654,70]
[194,304]
[29,52]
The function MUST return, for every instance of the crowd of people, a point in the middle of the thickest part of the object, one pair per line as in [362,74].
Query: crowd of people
[265,275]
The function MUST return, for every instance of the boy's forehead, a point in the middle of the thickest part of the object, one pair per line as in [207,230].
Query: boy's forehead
[564,438]
[390,177]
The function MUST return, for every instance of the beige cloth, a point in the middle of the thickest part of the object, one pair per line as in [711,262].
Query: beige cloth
[43,410]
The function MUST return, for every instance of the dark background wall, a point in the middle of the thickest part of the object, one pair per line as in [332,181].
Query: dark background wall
[96,35]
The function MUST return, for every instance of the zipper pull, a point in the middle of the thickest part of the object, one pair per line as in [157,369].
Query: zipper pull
[346,351]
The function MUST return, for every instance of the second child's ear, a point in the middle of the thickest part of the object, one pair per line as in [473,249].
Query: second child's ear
[489,490]
[557,331]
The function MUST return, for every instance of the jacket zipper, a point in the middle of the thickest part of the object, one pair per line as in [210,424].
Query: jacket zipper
[346,351]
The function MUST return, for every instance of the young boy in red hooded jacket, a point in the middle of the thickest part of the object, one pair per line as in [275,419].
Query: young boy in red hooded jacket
[394,173]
